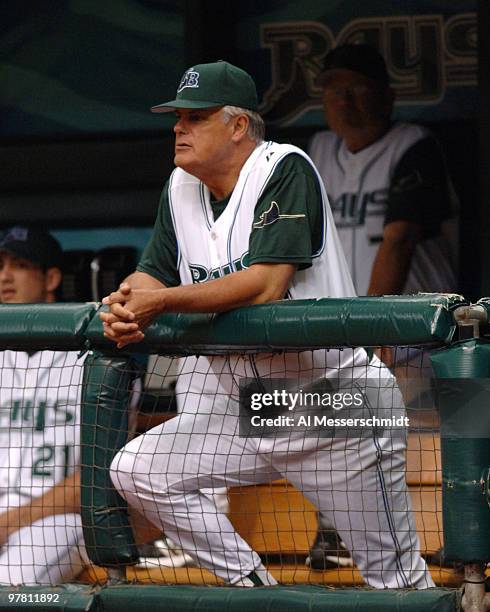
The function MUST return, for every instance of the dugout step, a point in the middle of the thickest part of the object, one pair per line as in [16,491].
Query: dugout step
[424,459]
[285,574]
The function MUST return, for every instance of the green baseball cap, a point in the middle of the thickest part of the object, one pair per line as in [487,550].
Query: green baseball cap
[215,84]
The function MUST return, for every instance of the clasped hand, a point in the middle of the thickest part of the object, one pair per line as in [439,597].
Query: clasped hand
[130,312]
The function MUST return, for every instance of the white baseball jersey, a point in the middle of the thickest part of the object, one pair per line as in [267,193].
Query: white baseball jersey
[39,421]
[223,244]
[358,187]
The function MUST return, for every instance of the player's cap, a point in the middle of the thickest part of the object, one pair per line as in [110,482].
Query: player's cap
[215,84]
[33,244]
[364,59]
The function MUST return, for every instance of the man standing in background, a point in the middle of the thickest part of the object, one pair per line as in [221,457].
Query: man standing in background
[387,182]
[391,198]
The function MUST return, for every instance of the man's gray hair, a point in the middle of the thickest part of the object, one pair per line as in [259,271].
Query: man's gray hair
[256,128]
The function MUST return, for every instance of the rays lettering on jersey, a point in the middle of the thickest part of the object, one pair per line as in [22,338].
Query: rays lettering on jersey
[350,210]
[22,413]
[201,274]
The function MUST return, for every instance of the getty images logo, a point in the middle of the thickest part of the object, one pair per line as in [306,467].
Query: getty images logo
[190,79]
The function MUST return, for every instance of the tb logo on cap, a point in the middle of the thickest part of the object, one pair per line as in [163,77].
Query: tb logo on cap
[190,79]
[17,233]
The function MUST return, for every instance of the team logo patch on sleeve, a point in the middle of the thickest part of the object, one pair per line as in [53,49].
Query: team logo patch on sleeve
[273,214]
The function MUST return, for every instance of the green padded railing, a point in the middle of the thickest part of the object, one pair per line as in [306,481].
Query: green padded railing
[465,449]
[300,324]
[104,425]
[39,326]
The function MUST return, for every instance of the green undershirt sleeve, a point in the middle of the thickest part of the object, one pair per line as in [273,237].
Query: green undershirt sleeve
[419,190]
[288,217]
[160,256]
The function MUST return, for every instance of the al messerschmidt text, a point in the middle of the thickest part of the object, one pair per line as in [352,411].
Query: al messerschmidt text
[314,420]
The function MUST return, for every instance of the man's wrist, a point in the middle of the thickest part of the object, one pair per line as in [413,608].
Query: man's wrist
[162,300]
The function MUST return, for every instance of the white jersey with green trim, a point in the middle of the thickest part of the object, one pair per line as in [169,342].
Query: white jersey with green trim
[39,421]
[358,187]
[209,248]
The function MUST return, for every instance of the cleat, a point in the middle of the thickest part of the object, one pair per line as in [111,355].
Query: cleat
[328,551]
[163,553]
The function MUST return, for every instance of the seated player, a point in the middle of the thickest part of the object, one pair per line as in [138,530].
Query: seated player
[41,539]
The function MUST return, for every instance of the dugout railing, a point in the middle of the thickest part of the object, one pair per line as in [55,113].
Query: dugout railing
[438,322]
